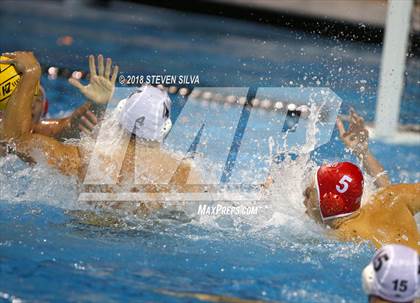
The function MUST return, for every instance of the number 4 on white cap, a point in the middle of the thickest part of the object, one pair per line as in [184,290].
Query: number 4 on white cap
[344,181]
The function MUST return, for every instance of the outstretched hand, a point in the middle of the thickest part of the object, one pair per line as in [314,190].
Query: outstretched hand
[102,83]
[356,137]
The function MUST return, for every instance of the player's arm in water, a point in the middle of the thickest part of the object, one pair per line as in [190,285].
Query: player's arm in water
[356,138]
[81,119]
[98,92]
[17,122]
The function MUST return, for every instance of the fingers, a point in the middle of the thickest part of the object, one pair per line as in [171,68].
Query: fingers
[360,120]
[357,121]
[100,65]
[83,129]
[108,68]
[355,118]
[340,126]
[92,66]
[88,122]
[91,117]
[76,83]
[345,118]
[75,116]
[114,74]
[7,61]
[9,55]
[103,70]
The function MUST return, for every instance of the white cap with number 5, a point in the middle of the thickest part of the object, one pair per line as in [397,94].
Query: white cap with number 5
[393,274]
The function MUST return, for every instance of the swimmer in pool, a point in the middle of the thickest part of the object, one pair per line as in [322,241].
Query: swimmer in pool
[82,119]
[393,275]
[143,117]
[39,105]
[334,197]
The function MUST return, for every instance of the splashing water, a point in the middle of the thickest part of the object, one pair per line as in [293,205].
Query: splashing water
[280,206]
[280,232]
[40,183]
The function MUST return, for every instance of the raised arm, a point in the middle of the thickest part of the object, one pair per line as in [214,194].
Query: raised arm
[356,138]
[17,122]
[101,84]
[18,114]
[98,92]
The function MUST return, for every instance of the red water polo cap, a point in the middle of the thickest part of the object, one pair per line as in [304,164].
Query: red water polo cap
[340,189]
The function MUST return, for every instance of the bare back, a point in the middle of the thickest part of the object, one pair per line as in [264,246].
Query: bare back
[387,218]
[148,170]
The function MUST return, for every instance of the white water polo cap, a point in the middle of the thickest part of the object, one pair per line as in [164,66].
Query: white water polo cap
[393,274]
[146,113]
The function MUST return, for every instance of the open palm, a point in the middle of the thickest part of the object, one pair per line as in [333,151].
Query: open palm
[356,137]
[101,84]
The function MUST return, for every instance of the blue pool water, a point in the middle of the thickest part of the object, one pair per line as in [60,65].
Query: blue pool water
[49,254]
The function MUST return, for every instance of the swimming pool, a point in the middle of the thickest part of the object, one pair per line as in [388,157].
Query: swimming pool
[47,254]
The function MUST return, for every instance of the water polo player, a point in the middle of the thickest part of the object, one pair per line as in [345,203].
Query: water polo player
[148,104]
[9,79]
[334,198]
[393,275]
[81,119]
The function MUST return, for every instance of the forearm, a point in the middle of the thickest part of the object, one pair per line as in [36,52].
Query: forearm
[52,127]
[17,119]
[372,166]
[67,127]
[64,157]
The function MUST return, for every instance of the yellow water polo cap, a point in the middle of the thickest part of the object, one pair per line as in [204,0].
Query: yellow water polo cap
[9,79]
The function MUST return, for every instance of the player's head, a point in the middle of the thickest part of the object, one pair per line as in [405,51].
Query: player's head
[335,192]
[393,275]
[9,79]
[146,114]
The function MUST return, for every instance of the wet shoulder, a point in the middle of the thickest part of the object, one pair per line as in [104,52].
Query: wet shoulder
[391,196]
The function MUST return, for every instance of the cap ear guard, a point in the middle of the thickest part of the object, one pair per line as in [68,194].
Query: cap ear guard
[331,203]
[166,128]
[368,279]
[418,281]
[166,115]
